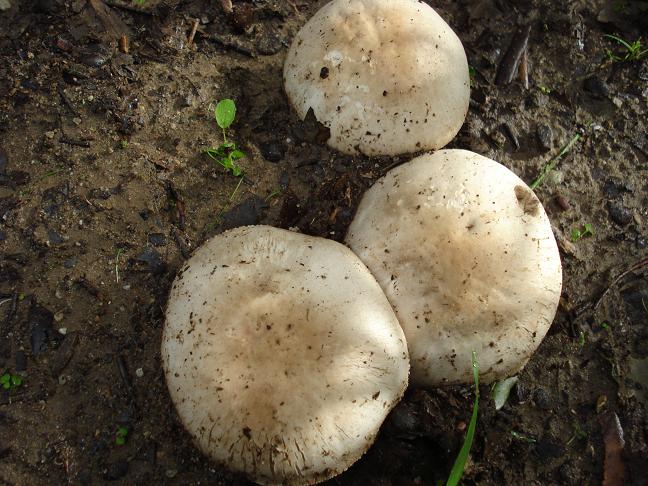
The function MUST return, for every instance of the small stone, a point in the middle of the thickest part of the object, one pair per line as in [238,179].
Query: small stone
[562,202]
[619,214]
[54,238]
[50,134]
[596,87]
[157,239]
[70,263]
[171,473]
[272,151]
[77,121]
[116,470]
[5,5]
[62,331]
[139,372]
[153,259]
[58,317]
[541,399]
[545,136]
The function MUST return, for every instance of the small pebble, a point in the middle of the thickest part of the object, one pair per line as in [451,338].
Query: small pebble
[619,214]
[171,473]
[116,470]
[545,136]
[562,202]
[139,372]
[63,331]
[157,239]
[54,238]
[596,87]
[58,317]
[70,262]
[272,151]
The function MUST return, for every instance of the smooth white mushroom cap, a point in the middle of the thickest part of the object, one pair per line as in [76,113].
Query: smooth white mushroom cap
[282,354]
[387,77]
[465,254]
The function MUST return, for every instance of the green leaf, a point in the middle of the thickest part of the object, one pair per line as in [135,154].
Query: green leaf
[120,441]
[462,457]
[225,112]
[5,378]
[236,154]
[16,380]
[122,431]
[502,390]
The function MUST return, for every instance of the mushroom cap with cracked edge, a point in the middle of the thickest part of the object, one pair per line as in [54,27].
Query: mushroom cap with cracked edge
[465,254]
[282,354]
[388,77]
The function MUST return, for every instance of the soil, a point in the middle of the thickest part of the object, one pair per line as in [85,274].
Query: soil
[104,191]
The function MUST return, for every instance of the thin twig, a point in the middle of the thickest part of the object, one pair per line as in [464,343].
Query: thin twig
[193,32]
[552,163]
[636,266]
[523,70]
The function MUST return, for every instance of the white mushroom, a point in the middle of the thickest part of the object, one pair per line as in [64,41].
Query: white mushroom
[386,76]
[282,354]
[465,254]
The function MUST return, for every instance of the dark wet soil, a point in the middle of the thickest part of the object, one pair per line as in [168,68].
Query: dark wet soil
[104,192]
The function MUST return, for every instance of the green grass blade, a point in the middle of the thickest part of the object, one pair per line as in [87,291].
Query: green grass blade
[462,457]
[552,163]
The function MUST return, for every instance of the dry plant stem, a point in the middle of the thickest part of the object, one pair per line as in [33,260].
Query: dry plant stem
[636,266]
[194,27]
[511,60]
[523,71]
[123,43]
[227,6]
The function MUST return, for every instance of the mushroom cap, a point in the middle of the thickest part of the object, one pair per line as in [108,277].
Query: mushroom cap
[281,354]
[465,254]
[387,77]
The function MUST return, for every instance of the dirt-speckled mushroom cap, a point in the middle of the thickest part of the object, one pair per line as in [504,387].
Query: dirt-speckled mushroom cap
[387,77]
[282,354]
[465,254]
